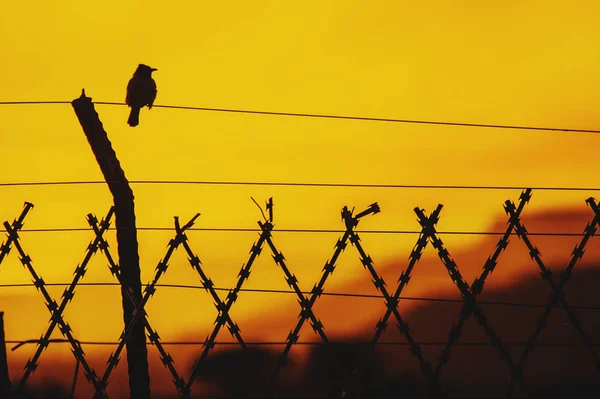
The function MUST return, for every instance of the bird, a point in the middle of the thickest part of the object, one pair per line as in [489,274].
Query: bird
[141,91]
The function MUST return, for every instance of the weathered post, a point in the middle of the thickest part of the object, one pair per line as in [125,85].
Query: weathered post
[5,385]
[137,354]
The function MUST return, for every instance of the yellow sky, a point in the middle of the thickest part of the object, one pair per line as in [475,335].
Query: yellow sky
[514,63]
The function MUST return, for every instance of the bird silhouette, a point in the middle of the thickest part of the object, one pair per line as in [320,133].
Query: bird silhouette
[141,91]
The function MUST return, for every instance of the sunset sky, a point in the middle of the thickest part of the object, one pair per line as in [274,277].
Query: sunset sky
[531,63]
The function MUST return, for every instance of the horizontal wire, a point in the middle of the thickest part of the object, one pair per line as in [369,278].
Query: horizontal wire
[298,184]
[327,116]
[316,343]
[335,294]
[33,102]
[257,230]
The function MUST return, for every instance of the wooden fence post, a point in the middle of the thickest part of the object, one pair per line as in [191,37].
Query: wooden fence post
[5,385]
[137,353]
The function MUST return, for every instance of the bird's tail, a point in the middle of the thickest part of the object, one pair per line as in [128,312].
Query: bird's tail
[134,117]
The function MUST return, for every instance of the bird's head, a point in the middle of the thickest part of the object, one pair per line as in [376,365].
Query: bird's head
[144,70]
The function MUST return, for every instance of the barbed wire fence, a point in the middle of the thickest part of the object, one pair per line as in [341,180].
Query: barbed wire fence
[350,236]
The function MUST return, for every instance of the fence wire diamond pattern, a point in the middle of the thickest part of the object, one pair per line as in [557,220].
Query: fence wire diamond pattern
[427,235]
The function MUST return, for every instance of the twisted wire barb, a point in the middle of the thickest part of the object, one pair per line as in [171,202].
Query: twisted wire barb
[149,291]
[557,295]
[477,286]
[153,336]
[225,307]
[472,306]
[17,225]
[292,281]
[56,311]
[392,301]
[5,247]
[391,304]
[351,223]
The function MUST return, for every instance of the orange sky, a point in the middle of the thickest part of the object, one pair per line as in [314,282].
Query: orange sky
[531,63]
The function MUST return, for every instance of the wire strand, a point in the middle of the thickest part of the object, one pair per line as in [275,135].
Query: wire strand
[315,343]
[305,231]
[300,184]
[328,116]
[334,294]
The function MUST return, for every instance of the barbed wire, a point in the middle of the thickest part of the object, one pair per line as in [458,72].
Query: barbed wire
[325,116]
[333,294]
[307,231]
[20,343]
[299,184]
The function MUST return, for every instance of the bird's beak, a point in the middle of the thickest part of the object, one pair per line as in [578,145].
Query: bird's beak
[154,69]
